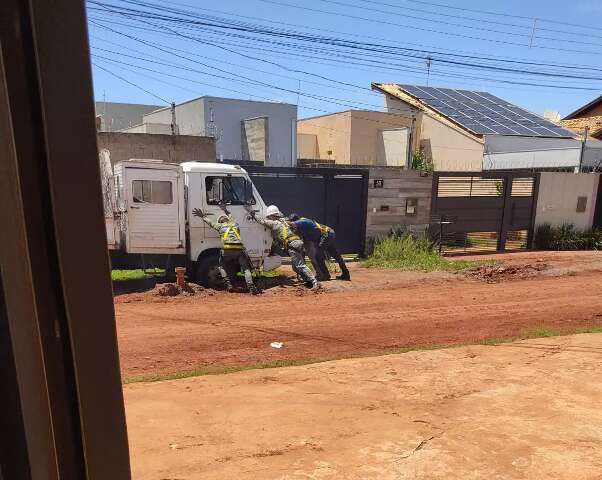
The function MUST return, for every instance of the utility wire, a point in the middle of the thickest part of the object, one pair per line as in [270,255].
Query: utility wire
[386,49]
[430,30]
[357,35]
[131,83]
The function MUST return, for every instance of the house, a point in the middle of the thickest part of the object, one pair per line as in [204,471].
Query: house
[588,116]
[462,130]
[243,129]
[114,116]
[355,137]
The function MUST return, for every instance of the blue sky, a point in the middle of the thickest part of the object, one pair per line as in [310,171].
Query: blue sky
[421,25]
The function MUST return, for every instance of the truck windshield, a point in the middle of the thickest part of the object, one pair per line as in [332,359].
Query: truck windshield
[227,190]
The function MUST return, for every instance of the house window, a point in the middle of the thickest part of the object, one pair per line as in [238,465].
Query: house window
[152,191]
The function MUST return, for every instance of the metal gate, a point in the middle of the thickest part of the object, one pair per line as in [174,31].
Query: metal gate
[474,212]
[333,196]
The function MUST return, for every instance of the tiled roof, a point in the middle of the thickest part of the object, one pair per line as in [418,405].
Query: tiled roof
[579,124]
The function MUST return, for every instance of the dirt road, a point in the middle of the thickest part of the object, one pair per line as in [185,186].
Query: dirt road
[378,312]
[528,410]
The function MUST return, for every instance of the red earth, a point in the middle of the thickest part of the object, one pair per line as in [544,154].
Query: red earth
[380,311]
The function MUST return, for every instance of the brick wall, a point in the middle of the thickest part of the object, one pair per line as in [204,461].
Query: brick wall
[387,205]
[174,149]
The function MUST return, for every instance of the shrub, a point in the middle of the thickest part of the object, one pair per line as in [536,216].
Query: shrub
[405,251]
[567,237]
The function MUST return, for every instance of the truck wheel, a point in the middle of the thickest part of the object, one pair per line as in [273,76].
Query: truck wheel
[207,273]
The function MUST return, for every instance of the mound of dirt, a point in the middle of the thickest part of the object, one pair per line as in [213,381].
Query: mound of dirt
[165,291]
[501,273]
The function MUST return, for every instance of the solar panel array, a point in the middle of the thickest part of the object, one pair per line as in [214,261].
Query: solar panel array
[485,114]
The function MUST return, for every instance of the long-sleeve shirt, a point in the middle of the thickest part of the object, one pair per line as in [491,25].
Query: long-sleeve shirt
[282,233]
[229,232]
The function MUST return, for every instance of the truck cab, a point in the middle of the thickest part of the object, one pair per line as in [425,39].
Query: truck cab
[154,201]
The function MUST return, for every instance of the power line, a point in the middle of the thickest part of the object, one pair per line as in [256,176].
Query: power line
[357,35]
[508,15]
[386,49]
[484,20]
[123,65]
[131,83]
[339,100]
[430,30]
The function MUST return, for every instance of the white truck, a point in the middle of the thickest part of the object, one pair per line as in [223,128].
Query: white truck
[149,204]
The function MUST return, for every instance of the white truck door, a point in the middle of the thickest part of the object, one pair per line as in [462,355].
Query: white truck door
[231,188]
[155,211]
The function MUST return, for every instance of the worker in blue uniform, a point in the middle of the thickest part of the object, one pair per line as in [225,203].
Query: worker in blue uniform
[320,241]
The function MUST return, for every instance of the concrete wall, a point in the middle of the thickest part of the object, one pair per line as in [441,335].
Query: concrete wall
[557,199]
[354,137]
[450,148]
[176,149]
[397,106]
[223,117]
[332,133]
[155,128]
[398,186]
[116,116]
[367,147]
[190,118]
[307,146]
[255,139]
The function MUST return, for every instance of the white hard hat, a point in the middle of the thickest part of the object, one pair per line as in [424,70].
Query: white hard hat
[273,210]
[223,219]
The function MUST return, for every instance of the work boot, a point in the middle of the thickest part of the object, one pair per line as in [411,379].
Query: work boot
[253,290]
[345,276]
[315,285]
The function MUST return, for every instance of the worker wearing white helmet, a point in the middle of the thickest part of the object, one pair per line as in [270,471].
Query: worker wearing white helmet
[287,239]
[233,255]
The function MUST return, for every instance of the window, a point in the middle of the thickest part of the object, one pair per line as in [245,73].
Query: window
[229,191]
[152,191]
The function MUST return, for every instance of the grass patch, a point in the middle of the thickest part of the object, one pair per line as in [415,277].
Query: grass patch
[538,332]
[125,275]
[218,370]
[406,252]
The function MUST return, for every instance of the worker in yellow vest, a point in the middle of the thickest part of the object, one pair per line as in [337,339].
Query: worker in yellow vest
[321,242]
[285,237]
[233,256]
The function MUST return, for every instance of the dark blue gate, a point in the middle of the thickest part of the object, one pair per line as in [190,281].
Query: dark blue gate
[337,197]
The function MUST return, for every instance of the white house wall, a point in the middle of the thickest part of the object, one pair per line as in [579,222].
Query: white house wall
[223,117]
[533,159]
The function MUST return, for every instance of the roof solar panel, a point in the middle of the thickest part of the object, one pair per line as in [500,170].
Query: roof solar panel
[483,113]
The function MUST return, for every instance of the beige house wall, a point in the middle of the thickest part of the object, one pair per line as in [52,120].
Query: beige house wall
[366,139]
[350,138]
[450,148]
[307,146]
[558,196]
[332,134]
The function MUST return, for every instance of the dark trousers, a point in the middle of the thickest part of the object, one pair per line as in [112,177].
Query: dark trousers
[316,257]
[329,249]
[233,261]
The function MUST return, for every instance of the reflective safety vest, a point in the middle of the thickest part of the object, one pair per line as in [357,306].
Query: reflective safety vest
[322,228]
[287,235]
[231,236]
